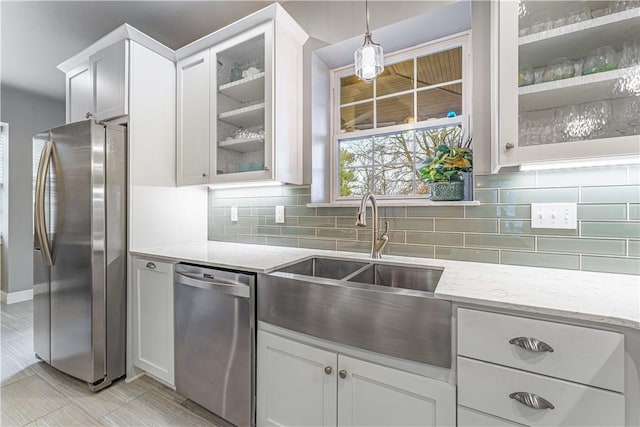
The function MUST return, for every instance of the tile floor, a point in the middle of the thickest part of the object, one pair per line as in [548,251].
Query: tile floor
[34,394]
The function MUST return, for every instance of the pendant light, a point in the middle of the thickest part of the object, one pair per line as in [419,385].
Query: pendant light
[369,61]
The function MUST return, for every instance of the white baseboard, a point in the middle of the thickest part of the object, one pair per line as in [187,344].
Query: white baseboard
[14,297]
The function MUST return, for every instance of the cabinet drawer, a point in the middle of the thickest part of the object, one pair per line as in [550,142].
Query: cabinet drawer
[487,388]
[471,418]
[584,355]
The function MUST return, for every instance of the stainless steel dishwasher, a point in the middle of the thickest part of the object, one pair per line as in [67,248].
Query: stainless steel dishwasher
[215,340]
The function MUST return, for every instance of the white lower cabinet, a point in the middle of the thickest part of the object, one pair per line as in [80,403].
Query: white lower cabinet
[153,318]
[470,418]
[301,385]
[538,373]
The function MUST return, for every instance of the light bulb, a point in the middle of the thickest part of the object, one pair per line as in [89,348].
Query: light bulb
[368,60]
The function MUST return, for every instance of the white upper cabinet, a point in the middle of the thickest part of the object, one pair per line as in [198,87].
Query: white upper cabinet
[193,119]
[241,88]
[565,81]
[108,69]
[79,93]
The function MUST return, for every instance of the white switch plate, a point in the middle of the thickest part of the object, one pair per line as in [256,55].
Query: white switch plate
[279,214]
[554,215]
[234,213]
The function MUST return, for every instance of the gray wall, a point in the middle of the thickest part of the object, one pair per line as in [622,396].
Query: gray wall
[497,231]
[26,113]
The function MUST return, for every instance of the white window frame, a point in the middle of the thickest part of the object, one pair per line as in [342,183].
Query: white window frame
[462,40]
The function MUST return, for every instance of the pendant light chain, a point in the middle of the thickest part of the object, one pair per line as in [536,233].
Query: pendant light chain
[368,59]
[366,10]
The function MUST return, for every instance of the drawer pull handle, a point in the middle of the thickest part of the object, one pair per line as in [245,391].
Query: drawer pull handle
[151,265]
[531,400]
[531,344]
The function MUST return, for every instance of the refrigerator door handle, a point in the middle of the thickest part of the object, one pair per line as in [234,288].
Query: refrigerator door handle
[39,211]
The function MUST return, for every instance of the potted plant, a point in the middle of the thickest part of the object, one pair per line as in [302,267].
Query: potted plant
[443,169]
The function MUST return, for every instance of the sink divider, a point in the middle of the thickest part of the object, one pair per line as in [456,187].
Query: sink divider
[358,271]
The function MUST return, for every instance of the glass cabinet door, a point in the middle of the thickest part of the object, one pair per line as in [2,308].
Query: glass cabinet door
[578,79]
[242,128]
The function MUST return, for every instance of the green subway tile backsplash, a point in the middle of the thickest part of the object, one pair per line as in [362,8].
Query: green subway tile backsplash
[497,231]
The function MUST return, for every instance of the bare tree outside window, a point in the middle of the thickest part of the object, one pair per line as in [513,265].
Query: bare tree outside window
[390,164]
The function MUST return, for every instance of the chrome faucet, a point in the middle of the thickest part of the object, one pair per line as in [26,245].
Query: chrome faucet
[377,243]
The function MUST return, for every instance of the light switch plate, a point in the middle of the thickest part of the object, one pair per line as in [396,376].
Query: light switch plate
[234,213]
[279,214]
[554,215]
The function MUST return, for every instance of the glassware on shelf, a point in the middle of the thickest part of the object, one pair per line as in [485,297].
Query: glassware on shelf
[558,69]
[625,116]
[597,13]
[236,73]
[622,5]
[601,59]
[578,11]
[526,76]
[537,75]
[567,121]
[631,51]
[577,66]
[542,22]
[596,118]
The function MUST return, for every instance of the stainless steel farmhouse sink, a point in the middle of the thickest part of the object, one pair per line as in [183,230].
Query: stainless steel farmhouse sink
[380,307]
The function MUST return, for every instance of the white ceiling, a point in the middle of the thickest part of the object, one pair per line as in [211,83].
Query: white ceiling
[38,35]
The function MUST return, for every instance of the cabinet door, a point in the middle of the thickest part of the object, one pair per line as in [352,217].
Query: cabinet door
[241,107]
[193,119]
[79,94]
[110,81]
[566,88]
[296,384]
[153,318]
[371,394]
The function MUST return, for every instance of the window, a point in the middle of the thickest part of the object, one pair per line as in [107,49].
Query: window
[383,131]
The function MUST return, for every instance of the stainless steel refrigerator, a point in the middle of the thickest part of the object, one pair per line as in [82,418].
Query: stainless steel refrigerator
[79,260]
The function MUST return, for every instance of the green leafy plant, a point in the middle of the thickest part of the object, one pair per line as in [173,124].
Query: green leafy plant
[447,162]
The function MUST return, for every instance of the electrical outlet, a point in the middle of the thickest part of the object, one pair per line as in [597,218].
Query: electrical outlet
[279,214]
[554,215]
[234,213]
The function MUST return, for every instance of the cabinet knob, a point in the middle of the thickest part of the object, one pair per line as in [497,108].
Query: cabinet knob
[509,145]
[266,168]
[151,265]
[328,370]
[204,175]
[342,374]
[88,115]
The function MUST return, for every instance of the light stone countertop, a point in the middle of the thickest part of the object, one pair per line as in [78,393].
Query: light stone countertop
[612,299]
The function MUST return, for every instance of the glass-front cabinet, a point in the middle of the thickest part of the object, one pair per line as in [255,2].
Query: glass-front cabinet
[240,97]
[241,130]
[568,81]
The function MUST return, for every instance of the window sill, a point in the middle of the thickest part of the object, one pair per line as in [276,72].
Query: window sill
[419,202]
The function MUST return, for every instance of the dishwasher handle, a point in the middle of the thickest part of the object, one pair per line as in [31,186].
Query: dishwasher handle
[224,286]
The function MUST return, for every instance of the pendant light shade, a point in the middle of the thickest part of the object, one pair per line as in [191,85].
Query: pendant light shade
[369,58]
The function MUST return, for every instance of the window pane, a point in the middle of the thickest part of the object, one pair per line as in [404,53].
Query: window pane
[395,148]
[395,110]
[395,78]
[440,67]
[394,180]
[353,89]
[356,152]
[427,140]
[438,102]
[355,182]
[356,117]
